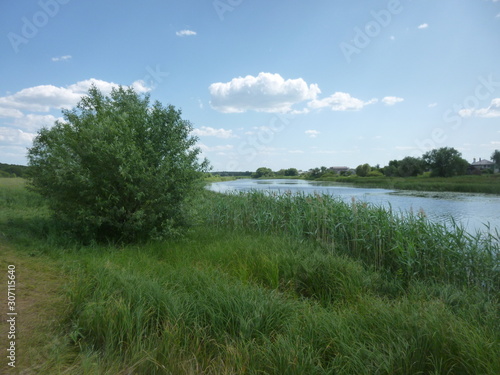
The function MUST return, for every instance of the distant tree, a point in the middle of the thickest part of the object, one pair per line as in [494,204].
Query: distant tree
[375,173]
[292,172]
[263,172]
[391,170]
[410,166]
[496,158]
[314,173]
[363,170]
[118,168]
[445,162]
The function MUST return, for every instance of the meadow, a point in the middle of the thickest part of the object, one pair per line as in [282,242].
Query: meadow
[259,284]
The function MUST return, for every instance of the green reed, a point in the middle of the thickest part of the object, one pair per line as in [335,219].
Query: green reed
[405,244]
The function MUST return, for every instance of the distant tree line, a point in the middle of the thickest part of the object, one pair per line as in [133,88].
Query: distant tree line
[267,172]
[13,170]
[442,162]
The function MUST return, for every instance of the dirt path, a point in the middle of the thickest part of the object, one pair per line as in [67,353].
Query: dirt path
[39,304]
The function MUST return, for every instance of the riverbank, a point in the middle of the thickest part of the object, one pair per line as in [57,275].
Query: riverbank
[487,184]
[261,284]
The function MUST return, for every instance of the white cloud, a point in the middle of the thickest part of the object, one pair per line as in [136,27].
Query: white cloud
[493,110]
[62,58]
[44,98]
[498,15]
[391,100]
[185,33]
[219,148]
[10,112]
[423,26]
[340,101]
[212,132]
[406,148]
[312,133]
[15,136]
[33,122]
[265,93]
[432,105]
[295,152]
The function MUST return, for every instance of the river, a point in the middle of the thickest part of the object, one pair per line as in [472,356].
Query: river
[473,211]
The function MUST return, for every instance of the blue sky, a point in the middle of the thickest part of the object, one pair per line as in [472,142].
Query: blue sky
[278,84]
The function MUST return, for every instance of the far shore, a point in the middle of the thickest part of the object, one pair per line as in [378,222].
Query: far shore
[486,184]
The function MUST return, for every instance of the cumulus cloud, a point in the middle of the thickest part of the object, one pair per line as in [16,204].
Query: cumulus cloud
[265,93]
[10,112]
[341,101]
[391,100]
[207,131]
[33,122]
[62,58]
[423,26]
[312,133]
[15,136]
[493,110]
[44,98]
[185,33]
[218,148]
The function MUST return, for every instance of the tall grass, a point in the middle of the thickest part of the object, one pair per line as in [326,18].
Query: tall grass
[407,245]
[185,307]
[266,285]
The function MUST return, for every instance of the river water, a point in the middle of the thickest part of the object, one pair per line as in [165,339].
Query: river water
[474,211]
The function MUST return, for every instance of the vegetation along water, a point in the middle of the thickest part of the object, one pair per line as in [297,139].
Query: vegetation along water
[261,283]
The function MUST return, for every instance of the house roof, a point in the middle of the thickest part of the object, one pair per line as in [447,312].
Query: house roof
[482,162]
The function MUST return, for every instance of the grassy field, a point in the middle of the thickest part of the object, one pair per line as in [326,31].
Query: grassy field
[259,285]
[489,184]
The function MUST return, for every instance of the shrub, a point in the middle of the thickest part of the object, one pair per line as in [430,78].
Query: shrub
[117,168]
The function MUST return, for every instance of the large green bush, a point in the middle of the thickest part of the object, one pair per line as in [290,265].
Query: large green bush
[117,168]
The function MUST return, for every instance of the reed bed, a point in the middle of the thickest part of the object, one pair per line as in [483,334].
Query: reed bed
[407,245]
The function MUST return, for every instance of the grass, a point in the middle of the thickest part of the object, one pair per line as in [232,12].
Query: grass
[260,285]
[407,246]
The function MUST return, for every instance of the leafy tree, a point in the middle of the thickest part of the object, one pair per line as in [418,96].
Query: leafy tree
[117,168]
[496,158]
[314,173]
[445,162]
[263,172]
[363,170]
[410,166]
[392,169]
[291,172]
[375,173]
